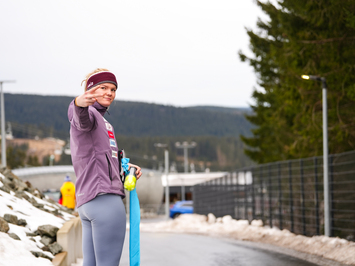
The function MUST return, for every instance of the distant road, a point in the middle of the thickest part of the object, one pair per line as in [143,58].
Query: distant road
[163,249]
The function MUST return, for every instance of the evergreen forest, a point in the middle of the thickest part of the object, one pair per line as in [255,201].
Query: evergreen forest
[302,38]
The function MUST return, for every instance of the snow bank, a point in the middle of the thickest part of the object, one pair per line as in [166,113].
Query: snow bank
[333,248]
[25,210]
[18,252]
[15,253]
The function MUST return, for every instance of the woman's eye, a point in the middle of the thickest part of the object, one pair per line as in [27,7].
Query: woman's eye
[103,88]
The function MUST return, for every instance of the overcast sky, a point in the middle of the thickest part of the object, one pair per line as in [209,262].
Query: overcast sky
[179,53]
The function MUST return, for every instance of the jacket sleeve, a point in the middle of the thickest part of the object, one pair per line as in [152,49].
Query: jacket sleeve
[80,117]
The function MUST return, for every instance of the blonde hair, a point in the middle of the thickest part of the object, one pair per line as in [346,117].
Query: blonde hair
[97,70]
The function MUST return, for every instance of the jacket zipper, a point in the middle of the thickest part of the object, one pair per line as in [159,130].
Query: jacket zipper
[109,168]
[120,156]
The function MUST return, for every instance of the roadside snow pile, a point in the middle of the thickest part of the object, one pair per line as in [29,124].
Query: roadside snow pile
[332,248]
[28,223]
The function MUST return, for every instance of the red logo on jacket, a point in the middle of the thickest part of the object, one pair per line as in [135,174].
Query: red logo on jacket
[110,134]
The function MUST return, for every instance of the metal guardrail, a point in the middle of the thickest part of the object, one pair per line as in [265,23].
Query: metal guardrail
[286,194]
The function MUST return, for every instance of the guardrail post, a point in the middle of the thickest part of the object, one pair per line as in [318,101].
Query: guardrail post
[252,193]
[235,193]
[270,195]
[316,194]
[237,199]
[331,194]
[261,194]
[245,196]
[302,199]
[280,195]
[291,195]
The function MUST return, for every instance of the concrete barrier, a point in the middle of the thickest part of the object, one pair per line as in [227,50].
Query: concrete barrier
[69,237]
[60,259]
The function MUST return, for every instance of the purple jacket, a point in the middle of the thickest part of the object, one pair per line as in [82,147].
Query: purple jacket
[94,153]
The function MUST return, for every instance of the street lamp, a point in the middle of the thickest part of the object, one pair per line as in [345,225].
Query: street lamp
[185,145]
[3,136]
[167,193]
[327,198]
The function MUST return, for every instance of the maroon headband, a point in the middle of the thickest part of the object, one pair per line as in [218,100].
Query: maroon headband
[99,78]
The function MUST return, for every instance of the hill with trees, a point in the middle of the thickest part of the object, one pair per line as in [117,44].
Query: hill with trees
[138,126]
[128,118]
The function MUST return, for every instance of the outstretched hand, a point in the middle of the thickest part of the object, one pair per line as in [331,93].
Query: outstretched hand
[89,97]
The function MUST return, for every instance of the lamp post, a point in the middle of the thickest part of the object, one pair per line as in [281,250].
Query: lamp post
[3,135]
[185,145]
[327,198]
[167,193]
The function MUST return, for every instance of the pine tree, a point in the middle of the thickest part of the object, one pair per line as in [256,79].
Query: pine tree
[16,156]
[302,37]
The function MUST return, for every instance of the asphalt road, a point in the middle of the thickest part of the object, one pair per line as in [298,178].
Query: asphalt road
[162,249]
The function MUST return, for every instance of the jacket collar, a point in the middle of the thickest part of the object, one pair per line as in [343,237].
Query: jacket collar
[101,109]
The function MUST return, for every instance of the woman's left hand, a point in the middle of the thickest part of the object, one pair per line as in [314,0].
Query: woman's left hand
[139,170]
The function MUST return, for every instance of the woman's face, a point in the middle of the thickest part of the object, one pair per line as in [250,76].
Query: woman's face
[108,91]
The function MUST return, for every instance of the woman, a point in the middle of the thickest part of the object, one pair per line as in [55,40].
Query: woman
[95,157]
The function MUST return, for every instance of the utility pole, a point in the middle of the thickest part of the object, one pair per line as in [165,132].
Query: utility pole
[185,145]
[3,130]
[166,170]
[327,195]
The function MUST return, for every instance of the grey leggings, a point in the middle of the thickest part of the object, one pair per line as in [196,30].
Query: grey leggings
[104,228]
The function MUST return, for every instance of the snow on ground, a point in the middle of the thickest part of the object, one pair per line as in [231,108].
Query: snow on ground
[15,252]
[25,210]
[332,248]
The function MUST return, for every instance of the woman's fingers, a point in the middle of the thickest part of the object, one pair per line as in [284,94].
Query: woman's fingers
[89,97]
[94,89]
[138,171]
[81,101]
[94,94]
[97,95]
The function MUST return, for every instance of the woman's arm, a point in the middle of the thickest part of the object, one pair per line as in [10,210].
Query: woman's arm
[80,118]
